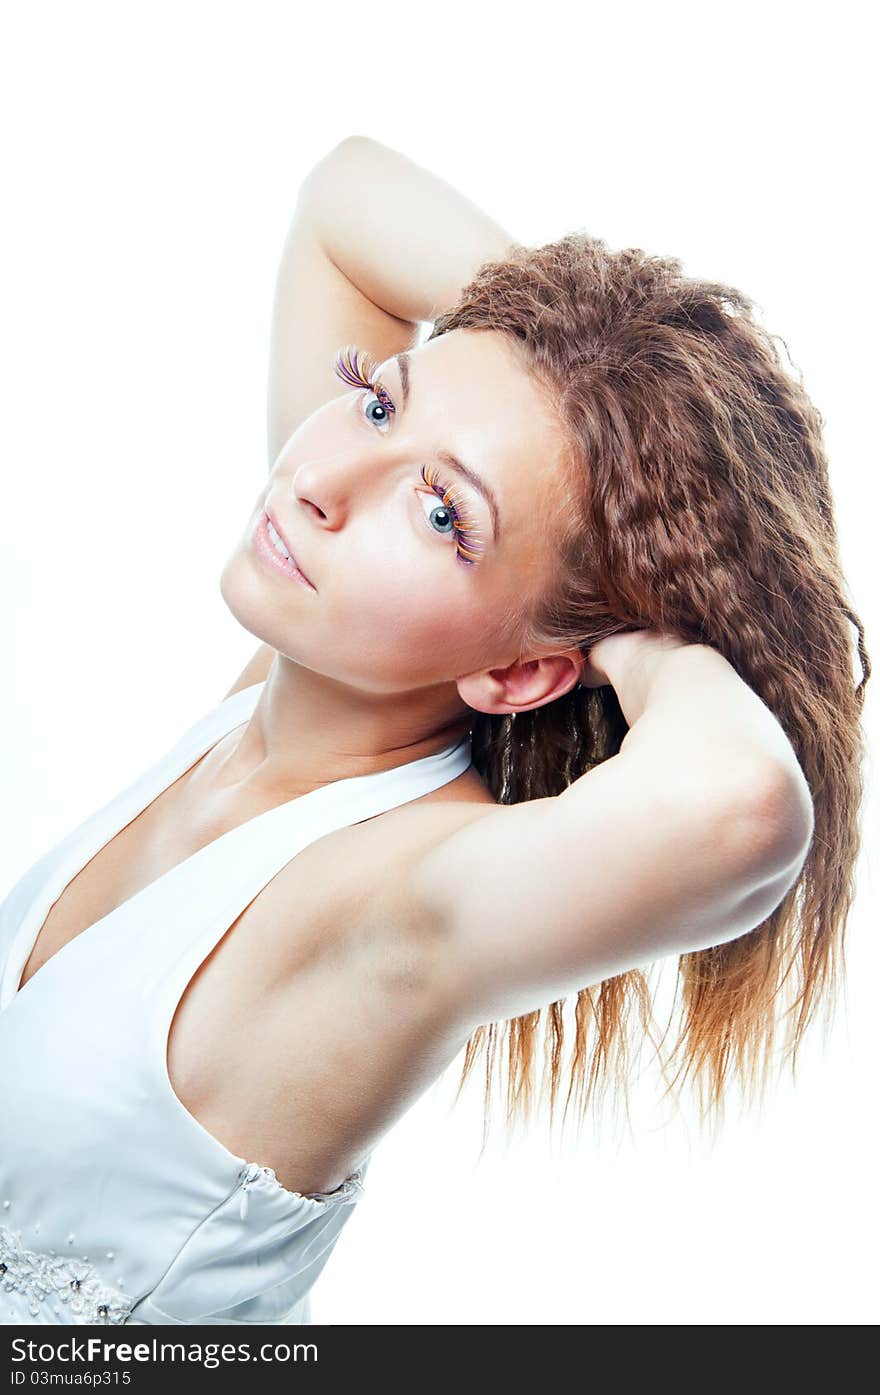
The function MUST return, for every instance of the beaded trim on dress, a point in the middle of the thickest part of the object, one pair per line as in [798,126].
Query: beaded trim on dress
[73,1281]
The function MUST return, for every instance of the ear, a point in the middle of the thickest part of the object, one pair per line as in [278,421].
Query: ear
[524,684]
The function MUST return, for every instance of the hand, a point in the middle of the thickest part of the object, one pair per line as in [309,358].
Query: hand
[612,657]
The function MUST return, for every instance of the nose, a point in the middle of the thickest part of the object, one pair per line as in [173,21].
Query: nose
[310,506]
[324,489]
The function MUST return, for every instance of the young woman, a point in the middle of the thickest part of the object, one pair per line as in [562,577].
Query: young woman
[554,679]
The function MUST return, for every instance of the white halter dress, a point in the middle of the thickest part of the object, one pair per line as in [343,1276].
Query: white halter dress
[116,1205]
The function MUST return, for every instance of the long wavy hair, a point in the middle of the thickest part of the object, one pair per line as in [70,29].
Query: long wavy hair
[700,504]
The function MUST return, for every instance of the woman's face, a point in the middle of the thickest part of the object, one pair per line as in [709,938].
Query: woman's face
[393,604]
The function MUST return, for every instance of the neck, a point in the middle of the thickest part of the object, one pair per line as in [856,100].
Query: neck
[307,730]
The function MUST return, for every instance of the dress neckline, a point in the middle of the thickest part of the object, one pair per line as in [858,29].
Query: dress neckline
[197,742]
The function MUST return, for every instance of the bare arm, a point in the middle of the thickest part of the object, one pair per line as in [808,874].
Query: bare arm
[405,237]
[690,836]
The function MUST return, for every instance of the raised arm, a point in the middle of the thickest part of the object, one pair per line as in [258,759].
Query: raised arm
[407,238]
[689,837]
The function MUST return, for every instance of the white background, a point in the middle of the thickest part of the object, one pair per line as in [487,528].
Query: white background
[152,156]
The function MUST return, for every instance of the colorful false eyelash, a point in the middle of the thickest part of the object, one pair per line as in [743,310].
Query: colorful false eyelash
[469,545]
[354,366]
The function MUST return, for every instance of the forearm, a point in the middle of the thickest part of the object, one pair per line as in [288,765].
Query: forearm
[672,690]
[402,235]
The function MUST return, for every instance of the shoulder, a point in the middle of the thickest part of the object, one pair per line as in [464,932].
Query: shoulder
[385,849]
[350,898]
[409,831]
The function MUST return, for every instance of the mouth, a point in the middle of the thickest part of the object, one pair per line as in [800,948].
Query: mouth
[275,547]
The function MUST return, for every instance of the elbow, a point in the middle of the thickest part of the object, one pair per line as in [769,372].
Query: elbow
[326,173]
[776,813]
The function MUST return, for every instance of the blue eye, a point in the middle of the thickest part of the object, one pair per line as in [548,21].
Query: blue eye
[374,409]
[355,367]
[448,520]
[469,544]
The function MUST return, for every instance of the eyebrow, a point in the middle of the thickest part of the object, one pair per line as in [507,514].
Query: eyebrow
[475,480]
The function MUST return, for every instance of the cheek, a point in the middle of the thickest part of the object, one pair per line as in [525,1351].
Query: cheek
[418,623]
[393,600]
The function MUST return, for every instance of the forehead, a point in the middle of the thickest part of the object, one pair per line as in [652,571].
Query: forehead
[471,391]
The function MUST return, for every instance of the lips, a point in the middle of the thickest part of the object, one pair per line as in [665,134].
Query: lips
[283,536]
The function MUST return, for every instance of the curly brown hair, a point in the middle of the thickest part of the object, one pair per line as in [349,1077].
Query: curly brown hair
[700,504]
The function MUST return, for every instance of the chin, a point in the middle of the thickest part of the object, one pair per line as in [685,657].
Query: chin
[244,599]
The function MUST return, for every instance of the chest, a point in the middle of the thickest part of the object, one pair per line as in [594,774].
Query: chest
[157,840]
